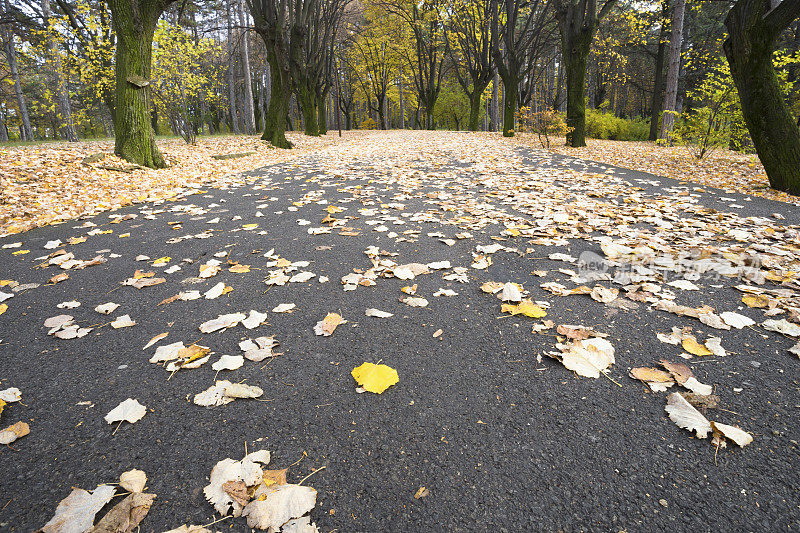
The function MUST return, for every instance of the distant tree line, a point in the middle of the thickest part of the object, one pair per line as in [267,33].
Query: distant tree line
[704,72]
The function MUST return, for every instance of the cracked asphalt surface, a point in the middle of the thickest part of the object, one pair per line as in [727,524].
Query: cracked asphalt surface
[504,440]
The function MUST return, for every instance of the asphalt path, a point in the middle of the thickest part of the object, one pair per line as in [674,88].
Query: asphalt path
[501,440]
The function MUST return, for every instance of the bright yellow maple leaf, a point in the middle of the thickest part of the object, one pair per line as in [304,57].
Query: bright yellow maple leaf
[375,378]
[525,307]
[3,308]
[240,269]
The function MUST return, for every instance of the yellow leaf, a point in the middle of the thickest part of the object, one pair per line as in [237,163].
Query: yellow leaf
[162,261]
[375,378]
[249,226]
[123,235]
[106,232]
[755,300]
[525,307]
[227,289]
[283,263]
[3,308]
[334,209]
[695,348]
[20,252]
[76,240]
[240,269]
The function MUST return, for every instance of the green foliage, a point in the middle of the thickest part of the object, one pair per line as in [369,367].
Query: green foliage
[718,121]
[544,124]
[368,124]
[603,125]
[452,107]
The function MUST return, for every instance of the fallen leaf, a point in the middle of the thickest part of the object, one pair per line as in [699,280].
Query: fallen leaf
[739,436]
[686,416]
[328,325]
[375,378]
[228,362]
[587,357]
[76,512]
[526,307]
[272,507]
[377,313]
[126,515]
[129,411]
[155,340]
[14,432]
[133,480]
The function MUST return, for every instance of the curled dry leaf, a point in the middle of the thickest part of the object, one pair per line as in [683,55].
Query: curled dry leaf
[587,357]
[657,380]
[222,322]
[248,470]
[272,507]
[686,416]
[259,348]
[125,516]
[254,320]
[414,301]
[736,320]
[123,322]
[685,377]
[739,436]
[76,512]
[377,313]
[14,432]
[228,362]
[782,326]
[328,325]
[133,480]
[603,294]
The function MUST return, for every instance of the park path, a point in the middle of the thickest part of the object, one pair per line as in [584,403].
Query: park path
[499,432]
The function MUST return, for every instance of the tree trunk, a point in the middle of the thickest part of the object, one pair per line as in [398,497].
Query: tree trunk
[494,110]
[474,109]
[66,127]
[511,93]
[232,100]
[381,112]
[306,97]
[752,38]
[11,54]
[322,114]
[575,64]
[249,108]
[134,23]
[671,92]
[402,101]
[278,111]
[658,85]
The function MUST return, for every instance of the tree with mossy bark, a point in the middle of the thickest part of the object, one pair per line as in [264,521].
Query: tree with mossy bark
[134,23]
[753,30]
[517,25]
[273,22]
[577,22]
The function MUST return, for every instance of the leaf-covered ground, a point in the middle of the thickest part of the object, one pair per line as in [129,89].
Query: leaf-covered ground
[45,183]
[723,169]
[446,331]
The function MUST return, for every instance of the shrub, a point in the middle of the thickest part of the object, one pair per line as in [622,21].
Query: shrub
[368,124]
[544,124]
[601,125]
